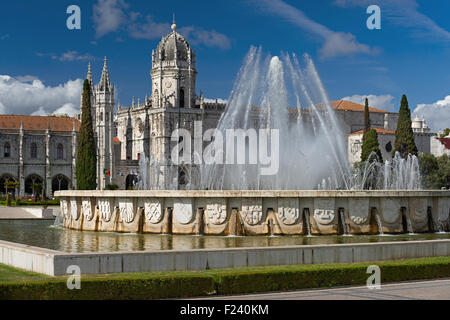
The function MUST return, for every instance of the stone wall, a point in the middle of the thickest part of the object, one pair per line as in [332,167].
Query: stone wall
[257,212]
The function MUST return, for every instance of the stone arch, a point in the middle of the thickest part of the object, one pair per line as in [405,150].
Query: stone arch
[183,179]
[30,180]
[131,181]
[3,179]
[60,182]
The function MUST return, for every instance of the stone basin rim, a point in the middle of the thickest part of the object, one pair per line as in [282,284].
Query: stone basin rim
[60,253]
[254,193]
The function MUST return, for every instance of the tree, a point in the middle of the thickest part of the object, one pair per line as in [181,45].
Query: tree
[404,136]
[435,171]
[366,117]
[370,144]
[445,133]
[86,168]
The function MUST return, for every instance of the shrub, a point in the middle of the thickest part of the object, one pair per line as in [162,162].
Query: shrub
[112,187]
[153,287]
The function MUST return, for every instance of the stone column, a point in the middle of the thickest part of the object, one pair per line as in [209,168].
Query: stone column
[21,169]
[48,177]
[74,157]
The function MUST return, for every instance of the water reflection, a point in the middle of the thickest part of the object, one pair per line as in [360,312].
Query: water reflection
[43,234]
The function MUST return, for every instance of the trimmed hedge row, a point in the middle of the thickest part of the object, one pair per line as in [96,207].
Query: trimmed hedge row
[111,289]
[283,280]
[223,282]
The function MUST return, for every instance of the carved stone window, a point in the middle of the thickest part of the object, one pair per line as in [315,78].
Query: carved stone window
[388,147]
[7,150]
[60,152]
[33,151]
[181,98]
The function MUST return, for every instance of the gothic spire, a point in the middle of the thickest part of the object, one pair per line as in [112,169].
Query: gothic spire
[105,84]
[89,74]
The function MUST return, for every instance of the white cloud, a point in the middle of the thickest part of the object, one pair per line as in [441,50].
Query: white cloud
[381,102]
[69,109]
[149,29]
[109,15]
[112,16]
[208,38]
[29,95]
[404,13]
[335,43]
[73,56]
[437,115]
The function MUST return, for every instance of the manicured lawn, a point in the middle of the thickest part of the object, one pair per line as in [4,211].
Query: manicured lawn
[12,275]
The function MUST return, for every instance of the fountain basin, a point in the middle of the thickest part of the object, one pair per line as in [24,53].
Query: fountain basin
[253,213]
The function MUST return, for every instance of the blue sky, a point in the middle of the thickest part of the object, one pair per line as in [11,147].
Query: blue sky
[42,62]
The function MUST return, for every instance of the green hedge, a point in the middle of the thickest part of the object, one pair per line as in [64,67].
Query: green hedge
[223,282]
[111,289]
[31,203]
[322,277]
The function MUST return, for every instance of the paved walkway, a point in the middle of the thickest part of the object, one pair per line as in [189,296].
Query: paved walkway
[416,290]
[11,213]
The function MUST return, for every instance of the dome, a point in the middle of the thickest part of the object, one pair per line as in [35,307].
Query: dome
[417,123]
[172,43]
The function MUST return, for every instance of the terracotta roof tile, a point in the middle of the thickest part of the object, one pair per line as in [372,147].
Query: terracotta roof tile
[345,105]
[378,130]
[30,123]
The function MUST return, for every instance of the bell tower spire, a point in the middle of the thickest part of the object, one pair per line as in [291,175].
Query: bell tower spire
[105,84]
[104,108]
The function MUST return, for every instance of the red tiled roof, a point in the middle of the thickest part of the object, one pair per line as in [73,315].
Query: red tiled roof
[35,123]
[378,130]
[345,105]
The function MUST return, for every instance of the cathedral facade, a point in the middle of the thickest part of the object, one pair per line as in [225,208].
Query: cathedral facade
[143,131]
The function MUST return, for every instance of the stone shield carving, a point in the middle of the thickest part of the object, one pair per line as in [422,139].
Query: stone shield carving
[183,211]
[418,210]
[390,209]
[443,209]
[105,210]
[87,209]
[216,212]
[288,211]
[126,210]
[153,212]
[324,210]
[74,209]
[359,210]
[324,216]
[252,211]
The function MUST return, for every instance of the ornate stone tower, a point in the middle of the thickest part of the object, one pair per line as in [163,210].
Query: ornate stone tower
[173,101]
[173,73]
[104,121]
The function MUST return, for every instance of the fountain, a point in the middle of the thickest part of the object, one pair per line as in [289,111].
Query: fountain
[282,100]
[379,224]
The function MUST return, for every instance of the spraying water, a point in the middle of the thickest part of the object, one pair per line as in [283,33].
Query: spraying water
[275,93]
[283,98]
